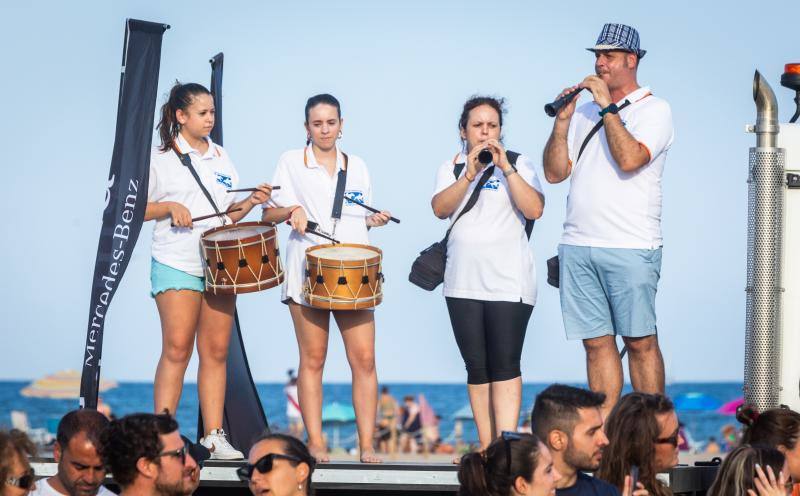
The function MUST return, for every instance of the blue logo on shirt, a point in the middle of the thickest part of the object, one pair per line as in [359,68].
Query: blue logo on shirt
[493,183]
[351,195]
[224,179]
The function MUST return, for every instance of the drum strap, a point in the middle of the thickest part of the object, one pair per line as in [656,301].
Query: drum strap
[338,198]
[186,160]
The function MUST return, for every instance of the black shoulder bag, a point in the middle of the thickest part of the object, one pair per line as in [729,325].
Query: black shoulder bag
[427,271]
[553,266]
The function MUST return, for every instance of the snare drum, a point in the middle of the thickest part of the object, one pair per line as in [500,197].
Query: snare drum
[241,258]
[343,276]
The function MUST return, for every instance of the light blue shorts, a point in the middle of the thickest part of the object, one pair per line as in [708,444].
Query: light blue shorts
[163,278]
[608,291]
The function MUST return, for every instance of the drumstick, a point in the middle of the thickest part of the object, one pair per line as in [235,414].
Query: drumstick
[311,228]
[375,210]
[248,190]
[204,217]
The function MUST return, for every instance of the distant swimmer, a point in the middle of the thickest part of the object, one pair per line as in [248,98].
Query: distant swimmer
[316,184]
[614,149]
[492,197]
[187,172]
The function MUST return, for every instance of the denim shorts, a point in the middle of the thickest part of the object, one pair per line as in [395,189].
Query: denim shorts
[163,278]
[608,291]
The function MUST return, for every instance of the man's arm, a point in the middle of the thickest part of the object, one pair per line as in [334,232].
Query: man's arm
[629,154]
[555,159]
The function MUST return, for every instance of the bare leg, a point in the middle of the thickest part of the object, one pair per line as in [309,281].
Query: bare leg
[213,338]
[311,330]
[604,369]
[646,364]
[480,399]
[179,311]
[506,401]
[358,333]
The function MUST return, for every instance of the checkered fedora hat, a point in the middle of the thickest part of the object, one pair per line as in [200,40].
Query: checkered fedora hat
[618,37]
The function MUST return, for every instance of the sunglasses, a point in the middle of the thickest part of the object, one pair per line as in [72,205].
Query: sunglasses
[673,439]
[24,481]
[179,453]
[263,465]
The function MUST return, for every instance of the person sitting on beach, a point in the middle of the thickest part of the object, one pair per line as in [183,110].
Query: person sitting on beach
[568,420]
[80,469]
[513,464]
[778,428]
[752,471]
[16,475]
[642,432]
[278,464]
[147,456]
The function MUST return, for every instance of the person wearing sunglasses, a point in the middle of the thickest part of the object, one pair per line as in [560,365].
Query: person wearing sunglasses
[16,475]
[278,465]
[643,432]
[752,471]
[513,464]
[147,456]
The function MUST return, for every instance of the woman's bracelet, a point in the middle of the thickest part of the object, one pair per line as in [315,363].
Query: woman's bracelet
[293,209]
[466,176]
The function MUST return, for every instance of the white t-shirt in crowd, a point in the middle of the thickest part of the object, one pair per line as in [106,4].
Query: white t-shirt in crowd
[292,402]
[43,488]
[170,180]
[488,255]
[305,182]
[609,208]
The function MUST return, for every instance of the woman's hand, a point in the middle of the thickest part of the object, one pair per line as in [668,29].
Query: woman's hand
[474,167]
[767,485]
[262,195]
[181,217]
[379,219]
[629,491]
[298,219]
[498,154]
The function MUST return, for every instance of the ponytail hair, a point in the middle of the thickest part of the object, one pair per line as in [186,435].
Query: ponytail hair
[492,473]
[321,99]
[180,97]
[774,427]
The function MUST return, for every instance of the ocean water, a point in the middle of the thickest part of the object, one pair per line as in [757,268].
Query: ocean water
[445,399]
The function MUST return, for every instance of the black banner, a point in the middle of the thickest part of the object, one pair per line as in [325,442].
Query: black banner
[126,193]
[243,417]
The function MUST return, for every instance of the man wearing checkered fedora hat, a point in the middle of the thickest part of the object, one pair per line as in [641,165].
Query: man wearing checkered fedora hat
[613,150]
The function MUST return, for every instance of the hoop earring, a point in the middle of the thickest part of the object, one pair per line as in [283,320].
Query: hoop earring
[308,140]
[340,135]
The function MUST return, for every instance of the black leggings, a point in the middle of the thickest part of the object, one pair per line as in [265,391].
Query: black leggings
[490,336]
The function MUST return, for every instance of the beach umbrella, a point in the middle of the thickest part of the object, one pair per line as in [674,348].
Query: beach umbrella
[730,407]
[697,402]
[61,385]
[336,414]
[463,413]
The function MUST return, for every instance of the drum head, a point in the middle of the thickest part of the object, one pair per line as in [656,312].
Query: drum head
[236,232]
[344,253]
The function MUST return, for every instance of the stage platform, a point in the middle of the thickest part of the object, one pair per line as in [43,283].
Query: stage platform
[388,479]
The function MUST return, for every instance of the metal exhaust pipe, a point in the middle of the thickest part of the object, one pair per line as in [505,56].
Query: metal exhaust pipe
[764,246]
[766,112]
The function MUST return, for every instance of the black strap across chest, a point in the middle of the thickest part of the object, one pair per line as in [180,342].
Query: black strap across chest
[594,130]
[186,160]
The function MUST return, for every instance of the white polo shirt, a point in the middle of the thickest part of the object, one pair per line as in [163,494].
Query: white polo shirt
[43,488]
[488,255]
[305,182]
[609,208]
[170,180]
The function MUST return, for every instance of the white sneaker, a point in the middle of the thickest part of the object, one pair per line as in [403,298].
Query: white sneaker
[219,446]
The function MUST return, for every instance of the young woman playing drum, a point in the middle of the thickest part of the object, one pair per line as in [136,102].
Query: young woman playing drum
[174,198]
[308,178]
[489,281]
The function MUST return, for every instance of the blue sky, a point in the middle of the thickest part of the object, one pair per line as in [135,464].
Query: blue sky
[402,70]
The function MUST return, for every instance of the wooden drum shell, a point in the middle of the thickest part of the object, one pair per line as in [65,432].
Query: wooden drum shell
[364,279]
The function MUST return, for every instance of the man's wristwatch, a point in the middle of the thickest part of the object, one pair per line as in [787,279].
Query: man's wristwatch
[611,109]
[510,171]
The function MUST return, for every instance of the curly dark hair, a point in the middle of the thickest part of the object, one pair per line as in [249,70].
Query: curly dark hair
[13,442]
[632,429]
[130,438]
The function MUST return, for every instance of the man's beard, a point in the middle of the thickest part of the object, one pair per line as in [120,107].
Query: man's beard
[581,461]
[172,489]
